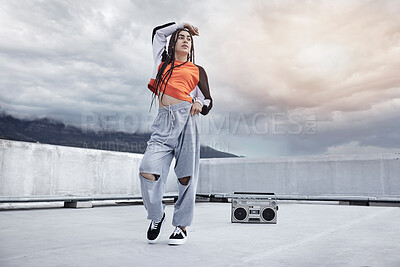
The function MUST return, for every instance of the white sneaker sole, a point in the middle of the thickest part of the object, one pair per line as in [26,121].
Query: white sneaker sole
[155,240]
[177,241]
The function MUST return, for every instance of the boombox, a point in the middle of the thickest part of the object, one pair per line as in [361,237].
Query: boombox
[251,208]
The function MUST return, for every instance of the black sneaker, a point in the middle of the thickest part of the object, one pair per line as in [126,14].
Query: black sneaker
[178,237]
[153,234]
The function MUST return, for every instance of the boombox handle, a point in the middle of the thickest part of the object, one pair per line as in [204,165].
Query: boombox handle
[254,193]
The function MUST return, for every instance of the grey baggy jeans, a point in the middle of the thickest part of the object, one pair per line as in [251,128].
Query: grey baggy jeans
[176,135]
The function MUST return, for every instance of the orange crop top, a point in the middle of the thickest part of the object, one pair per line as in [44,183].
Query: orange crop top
[183,80]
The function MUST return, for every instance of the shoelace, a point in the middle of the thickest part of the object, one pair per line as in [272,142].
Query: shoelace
[178,231]
[154,225]
[171,118]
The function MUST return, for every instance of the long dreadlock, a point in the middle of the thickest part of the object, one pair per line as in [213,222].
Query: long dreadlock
[162,78]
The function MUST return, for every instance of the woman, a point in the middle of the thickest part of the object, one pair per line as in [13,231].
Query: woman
[183,93]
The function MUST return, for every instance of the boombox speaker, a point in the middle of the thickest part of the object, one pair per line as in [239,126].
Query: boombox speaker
[254,208]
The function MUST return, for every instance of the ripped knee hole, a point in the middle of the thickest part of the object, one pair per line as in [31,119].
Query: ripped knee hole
[150,176]
[184,180]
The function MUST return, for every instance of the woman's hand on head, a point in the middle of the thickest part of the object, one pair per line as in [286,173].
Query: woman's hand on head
[192,29]
[196,108]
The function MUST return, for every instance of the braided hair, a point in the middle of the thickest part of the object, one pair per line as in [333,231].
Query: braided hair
[162,78]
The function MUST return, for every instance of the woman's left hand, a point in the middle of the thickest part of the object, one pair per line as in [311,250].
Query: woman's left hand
[196,108]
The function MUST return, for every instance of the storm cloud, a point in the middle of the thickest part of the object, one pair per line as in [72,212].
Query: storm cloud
[287,77]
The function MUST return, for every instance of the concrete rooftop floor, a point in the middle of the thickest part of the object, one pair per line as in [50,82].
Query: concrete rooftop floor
[305,235]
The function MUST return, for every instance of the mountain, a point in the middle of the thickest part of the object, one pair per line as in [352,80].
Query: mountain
[49,131]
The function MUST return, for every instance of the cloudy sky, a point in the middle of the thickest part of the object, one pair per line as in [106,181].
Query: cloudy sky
[288,78]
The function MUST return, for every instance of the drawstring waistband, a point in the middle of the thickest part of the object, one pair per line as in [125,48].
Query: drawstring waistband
[171,118]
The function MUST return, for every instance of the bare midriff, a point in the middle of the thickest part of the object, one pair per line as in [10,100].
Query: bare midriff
[168,100]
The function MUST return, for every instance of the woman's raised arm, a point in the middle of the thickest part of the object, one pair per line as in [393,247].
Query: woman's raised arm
[159,40]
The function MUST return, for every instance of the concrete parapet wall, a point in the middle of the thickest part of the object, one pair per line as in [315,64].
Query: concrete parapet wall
[30,169]
[376,175]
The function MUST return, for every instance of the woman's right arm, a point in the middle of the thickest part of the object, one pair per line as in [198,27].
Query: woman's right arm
[159,39]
